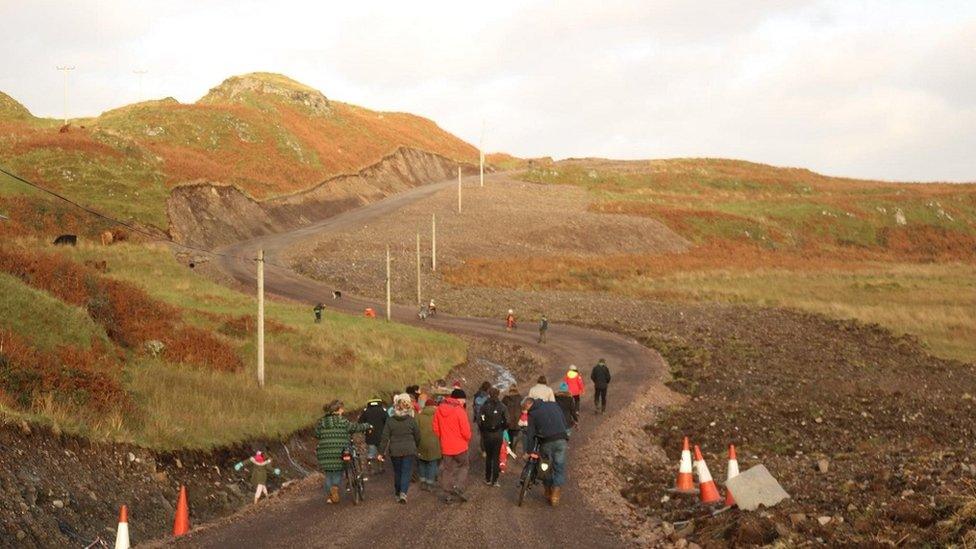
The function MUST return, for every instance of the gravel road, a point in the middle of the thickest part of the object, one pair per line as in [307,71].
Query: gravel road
[301,518]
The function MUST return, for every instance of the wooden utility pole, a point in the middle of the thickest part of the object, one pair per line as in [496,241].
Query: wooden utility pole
[260,328]
[388,299]
[433,242]
[481,152]
[459,189]
[418,268]
[482,168]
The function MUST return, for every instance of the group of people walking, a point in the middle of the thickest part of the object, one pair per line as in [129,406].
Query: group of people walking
[428,434]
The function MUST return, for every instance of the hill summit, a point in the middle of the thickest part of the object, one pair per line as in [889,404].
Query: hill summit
[257,87]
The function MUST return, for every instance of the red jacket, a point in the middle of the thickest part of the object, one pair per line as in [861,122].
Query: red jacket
[451,427]
[575,382]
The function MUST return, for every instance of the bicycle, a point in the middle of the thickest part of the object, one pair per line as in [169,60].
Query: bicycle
[353,475]
[532,472]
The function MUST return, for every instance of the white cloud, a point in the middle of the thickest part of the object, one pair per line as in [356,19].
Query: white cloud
[872,89]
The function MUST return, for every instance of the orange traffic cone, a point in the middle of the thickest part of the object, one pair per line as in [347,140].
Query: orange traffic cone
[706,486]
[733,471]
[685,483]
[122,534]
[182,523]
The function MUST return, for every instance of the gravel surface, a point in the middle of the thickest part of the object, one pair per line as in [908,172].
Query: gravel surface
[303,519]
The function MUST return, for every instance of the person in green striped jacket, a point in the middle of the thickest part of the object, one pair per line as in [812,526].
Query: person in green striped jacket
[334,433]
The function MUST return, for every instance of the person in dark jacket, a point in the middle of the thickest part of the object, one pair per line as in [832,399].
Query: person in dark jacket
[334,433]
[375,414]
[492,422]
[399,441]
[547,426]
[600,376]
[513,409]
[568,405]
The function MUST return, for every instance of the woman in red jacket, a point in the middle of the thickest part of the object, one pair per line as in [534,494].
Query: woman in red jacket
[575,382]
[454,431]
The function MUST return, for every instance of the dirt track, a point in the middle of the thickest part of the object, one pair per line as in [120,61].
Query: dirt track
[301,518]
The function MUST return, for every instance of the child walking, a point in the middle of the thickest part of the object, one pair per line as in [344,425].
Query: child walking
[260,466]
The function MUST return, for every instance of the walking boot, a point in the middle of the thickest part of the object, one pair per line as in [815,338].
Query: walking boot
[548,491]
[554,496]
[334,494]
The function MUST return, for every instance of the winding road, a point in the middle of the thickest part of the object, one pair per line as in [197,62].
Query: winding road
[301,518]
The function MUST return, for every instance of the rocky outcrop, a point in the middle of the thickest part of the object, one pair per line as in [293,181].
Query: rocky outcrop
[206,214]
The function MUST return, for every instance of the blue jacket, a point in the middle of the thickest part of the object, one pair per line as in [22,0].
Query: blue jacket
[546,421]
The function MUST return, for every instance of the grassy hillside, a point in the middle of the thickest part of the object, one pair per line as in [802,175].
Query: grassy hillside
[75,351]
[266,133]
[901,255]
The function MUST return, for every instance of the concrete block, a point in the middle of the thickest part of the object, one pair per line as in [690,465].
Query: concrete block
[755,487]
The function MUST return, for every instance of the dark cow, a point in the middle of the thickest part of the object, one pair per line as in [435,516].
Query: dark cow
[66,240]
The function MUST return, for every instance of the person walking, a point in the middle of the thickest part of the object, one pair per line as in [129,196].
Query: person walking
[318,312]
[565,401]
[574,380]
[547,426]
[541,390]
[543,328]
[260,465]
[429,450]
[600,376]
[480,397]
[375,414]
[492,422]
[334,433]
[510,321]
[513,409]
[401,436]
[454,431]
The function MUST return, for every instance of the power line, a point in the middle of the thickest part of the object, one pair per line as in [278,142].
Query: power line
[131,227]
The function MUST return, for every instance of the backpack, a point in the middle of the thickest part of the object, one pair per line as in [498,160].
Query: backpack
[492,418]
[479,400]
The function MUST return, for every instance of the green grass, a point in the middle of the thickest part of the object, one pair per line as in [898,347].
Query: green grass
[307,364]
[40,316]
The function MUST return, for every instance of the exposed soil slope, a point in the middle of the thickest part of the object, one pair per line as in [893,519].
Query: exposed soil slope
[206,214]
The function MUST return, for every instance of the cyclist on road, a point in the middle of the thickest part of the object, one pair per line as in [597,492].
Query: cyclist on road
[399,441]
[547,426]
[334,433]
[601,379]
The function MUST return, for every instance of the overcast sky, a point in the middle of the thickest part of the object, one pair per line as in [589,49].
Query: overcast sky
[882,89]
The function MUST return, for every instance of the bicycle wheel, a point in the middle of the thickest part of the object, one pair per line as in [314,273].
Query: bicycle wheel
[356,480]
[526,482]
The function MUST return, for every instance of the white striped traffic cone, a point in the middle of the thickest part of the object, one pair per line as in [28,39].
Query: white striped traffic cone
[685,483]
[706,486]
[733,471]
[122,535]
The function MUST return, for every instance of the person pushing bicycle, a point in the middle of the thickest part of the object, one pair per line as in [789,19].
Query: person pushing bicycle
[335,435]
[547,426]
